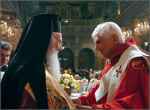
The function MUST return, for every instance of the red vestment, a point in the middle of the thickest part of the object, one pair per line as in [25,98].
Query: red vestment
[133,90]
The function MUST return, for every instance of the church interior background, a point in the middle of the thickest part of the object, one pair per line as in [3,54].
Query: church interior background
[78,21]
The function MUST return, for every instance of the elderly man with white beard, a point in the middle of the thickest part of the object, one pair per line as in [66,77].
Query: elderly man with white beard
[57,97]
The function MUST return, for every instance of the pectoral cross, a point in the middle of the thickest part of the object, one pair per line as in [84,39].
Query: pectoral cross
[118,71]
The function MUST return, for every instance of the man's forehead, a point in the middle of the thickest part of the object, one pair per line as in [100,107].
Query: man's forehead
[5,50]
[102,36]
[98,37]
[57,34]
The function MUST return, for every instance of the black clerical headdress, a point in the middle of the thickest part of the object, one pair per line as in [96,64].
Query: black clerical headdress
[26,66]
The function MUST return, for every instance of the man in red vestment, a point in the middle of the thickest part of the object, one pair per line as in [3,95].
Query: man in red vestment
[124,83]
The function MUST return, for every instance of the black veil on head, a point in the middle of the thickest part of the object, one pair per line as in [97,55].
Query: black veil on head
[37,34]
[27,63]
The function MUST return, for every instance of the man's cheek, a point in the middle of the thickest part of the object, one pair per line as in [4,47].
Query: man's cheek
[60,48]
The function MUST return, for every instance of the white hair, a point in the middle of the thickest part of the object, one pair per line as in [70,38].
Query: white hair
[108,28]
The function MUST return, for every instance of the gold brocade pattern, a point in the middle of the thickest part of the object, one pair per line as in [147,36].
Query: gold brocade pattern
[57,97]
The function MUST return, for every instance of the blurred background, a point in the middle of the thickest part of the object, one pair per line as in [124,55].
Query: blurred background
[79,18]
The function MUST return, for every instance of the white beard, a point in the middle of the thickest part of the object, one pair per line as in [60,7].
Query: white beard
[53,64]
